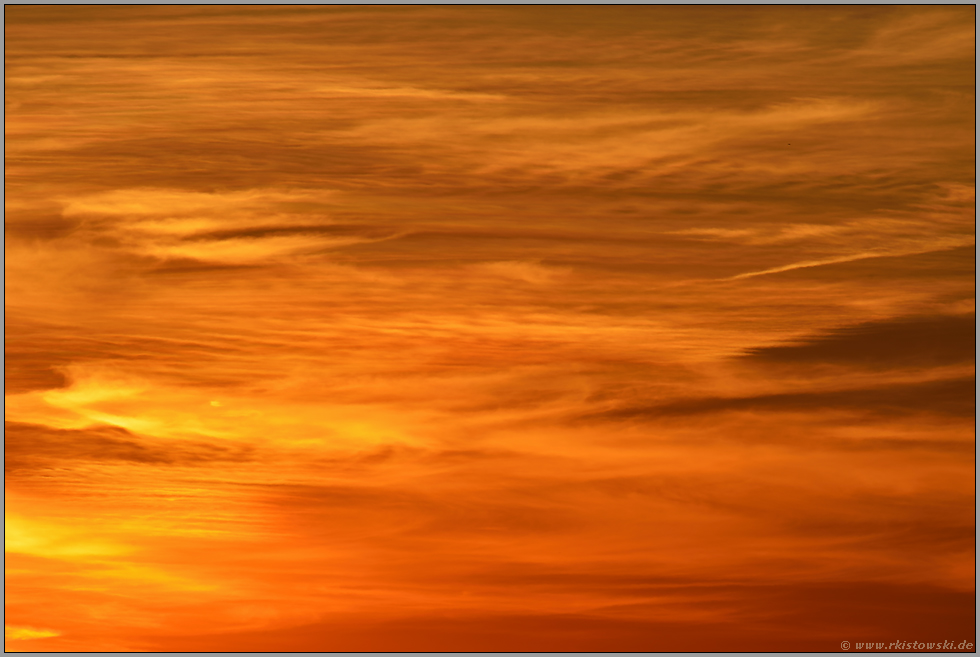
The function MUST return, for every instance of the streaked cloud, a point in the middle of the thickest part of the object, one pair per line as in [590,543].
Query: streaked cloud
[895,342]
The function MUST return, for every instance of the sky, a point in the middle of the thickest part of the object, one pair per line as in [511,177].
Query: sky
[489,328]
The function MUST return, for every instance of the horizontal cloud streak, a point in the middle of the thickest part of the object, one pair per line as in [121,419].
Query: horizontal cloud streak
[952,397]
[901,341]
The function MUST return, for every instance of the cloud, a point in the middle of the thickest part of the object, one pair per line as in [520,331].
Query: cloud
[234,228]
[528,272]
[803,620]
[913,341]
[940,245]
[245,251]
[919,35]
[101,394]
[174,202]
[407,92]
[29,447]
[945,397]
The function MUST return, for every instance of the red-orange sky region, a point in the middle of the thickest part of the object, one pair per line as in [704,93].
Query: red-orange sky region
[489,328]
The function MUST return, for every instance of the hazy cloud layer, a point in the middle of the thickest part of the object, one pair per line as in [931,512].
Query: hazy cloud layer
[498,328]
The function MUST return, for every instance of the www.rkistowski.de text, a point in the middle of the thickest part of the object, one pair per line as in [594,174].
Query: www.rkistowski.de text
[908,645]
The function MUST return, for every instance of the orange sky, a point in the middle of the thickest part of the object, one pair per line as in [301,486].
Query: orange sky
[626,328]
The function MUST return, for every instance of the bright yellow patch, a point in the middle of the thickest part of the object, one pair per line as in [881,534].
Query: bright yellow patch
[12,633]
[44,539]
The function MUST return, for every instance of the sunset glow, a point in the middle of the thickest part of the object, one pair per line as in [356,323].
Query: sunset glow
[489,328]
